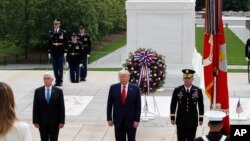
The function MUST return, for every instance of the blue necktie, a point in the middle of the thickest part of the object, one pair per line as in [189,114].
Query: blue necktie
[48,95]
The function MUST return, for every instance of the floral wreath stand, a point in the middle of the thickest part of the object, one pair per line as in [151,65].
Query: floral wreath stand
[147,70]
[146,114]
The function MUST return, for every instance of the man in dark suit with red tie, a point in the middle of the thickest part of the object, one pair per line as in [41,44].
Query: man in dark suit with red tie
[124,108]
[48,110]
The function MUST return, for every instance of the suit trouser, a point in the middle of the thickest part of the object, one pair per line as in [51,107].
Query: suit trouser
[122,131]
[83,71]
[57,63]
[49,133]
[74,72]
[186,134]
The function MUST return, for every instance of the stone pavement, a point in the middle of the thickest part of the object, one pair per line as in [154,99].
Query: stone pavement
[86,106]
[242,32]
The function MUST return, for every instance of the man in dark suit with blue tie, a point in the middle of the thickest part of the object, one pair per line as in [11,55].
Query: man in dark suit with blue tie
[48,110]
[124,108]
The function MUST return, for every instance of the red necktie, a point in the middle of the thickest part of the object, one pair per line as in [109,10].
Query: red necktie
[123,94]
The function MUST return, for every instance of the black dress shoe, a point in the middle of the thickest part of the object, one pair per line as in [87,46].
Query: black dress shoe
[59,84]
[82,79]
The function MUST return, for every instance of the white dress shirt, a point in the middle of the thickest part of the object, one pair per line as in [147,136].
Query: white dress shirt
[188,89]
[56,30]
[50,90]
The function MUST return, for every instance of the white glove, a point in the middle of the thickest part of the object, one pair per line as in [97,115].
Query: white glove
[247,59]
[88,55]
[80,65]
[49,55]
[65,54]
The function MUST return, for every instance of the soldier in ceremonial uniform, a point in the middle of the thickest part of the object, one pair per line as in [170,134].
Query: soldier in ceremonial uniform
[215,123]
[247,50]
[74,57]
[57,50]
[185,115]
[86,43]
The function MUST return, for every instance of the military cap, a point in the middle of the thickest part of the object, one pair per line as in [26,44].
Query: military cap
[188,73]
[74,34]
[215,115]
[81,27]
[56,21]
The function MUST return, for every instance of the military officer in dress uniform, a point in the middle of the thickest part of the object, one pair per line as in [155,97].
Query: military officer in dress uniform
[185,115]
[247,50]
[86,43]
[56,50]
[215,123]
[247,55]
[74,57]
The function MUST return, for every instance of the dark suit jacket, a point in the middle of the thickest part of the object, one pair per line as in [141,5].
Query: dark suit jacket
[187,113]
[128,113]
[48,114]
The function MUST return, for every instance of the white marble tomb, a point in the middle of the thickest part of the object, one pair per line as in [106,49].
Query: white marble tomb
[167,26]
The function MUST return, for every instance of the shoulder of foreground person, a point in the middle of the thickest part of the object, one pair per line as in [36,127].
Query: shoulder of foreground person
[23,130]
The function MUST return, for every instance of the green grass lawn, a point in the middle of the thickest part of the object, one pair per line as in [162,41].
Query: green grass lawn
[235,47]
[95,55]
[248,27]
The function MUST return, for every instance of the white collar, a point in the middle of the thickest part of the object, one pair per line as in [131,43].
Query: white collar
[50,87]
[125,85]
[188,88]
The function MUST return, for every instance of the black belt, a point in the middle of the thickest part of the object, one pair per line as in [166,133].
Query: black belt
[57,44]
[74,53]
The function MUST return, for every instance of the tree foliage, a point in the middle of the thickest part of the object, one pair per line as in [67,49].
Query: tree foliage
[228,5]
[26,22]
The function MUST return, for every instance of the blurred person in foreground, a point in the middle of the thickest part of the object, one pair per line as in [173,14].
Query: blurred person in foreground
[215,124]
[10,128]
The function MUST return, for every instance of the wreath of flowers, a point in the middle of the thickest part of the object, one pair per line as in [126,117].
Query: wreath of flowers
[147,69]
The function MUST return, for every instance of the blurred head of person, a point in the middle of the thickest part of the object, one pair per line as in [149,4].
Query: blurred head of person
[215,118]
[188,77]
[7,108]
[74,37]
[124,77]
[57,24]
[82,29]
[248,42]
[47,79]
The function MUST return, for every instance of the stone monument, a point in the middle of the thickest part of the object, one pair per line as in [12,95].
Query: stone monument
[167,26]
